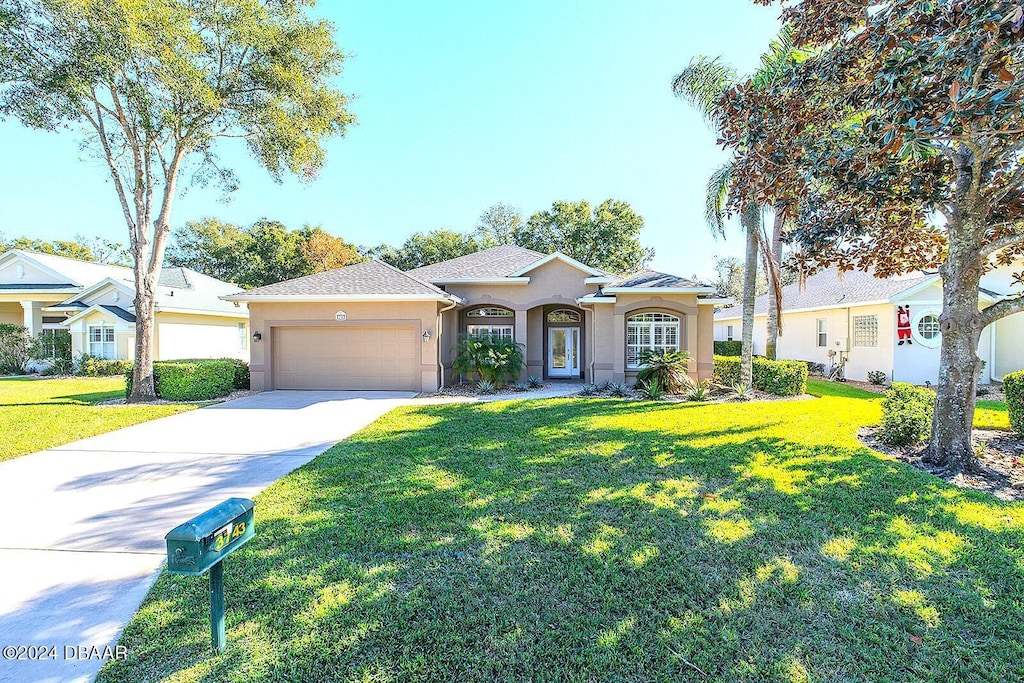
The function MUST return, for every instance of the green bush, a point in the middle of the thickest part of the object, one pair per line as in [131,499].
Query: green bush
[1013,387]
[53,351]
[91,366]
[190,380]
[241,370]
[779,377]
[494,360]
[729,348]
[14,349]
[667,369]
[906,414]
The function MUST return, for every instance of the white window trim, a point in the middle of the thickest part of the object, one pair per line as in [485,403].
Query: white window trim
[819,331]
[103,343]
[916,336]
[494,331]
[243,337]
[729,334]
[651,325]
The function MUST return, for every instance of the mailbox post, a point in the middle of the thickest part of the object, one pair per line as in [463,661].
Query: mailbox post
[202,543]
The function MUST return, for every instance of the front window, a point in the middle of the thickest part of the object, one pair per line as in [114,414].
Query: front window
[928,327]
[491,312]
[865,330]
[492,332]
[822,333]
[728,333]
[658,332]
[243,338]
[101,341]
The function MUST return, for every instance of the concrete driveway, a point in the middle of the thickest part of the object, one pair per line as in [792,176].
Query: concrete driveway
[81,539]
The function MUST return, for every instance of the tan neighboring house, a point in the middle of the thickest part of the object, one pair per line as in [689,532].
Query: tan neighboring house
[371,326]
[856,315]
[94,302]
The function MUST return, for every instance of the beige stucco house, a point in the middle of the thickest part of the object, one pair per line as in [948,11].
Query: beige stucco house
[94,302]
[856,316]
[372,326]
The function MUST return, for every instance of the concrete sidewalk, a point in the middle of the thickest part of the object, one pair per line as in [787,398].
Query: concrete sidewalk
[82,538]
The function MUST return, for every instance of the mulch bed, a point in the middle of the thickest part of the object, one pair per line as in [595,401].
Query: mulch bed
[1000,454]
[242,393]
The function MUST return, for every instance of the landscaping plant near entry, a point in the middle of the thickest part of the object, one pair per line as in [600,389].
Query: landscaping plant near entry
[906,414]
[779,377]
[494,360]
[728,348]
[13,349]
[196,380]
[668,369]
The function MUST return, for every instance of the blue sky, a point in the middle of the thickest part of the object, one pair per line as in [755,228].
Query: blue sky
[462,105]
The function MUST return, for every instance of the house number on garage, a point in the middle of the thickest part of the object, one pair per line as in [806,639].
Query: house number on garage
[340,315]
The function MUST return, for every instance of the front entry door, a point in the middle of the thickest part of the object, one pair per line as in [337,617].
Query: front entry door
[563,352]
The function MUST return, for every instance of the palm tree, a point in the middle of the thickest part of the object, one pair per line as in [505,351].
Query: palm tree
[703,83]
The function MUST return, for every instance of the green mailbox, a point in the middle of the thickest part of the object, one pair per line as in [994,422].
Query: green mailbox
[202,543]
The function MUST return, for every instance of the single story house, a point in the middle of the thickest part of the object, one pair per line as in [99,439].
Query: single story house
[94,302]
[372,326]
[858,315]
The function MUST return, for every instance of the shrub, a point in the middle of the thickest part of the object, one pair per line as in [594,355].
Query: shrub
[534,382]
[742,392]
[650,389]
[494,360]
[668,369]
[52,353]
[485,386]
[91,366]
[588,390]
[700,391]
[877,377]
[620,390]
[605,386]
[814,368]
[779,377]
[729,348]
[14,347]
[521,387]
[906,414]
[190,380]
[241,379]
[1013,387]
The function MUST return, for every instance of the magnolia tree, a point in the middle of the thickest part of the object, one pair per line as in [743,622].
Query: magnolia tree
[154,86]
[900,131]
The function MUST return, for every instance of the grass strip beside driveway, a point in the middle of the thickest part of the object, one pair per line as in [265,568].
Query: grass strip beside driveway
[36,414]
[593,540]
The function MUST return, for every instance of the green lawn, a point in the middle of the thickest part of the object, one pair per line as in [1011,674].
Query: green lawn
[987,414]
[601,540]
[42,413]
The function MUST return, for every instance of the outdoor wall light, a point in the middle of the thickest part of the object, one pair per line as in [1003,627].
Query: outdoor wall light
[256,336]
[426,336]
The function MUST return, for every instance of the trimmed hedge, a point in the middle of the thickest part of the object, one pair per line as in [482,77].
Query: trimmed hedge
[241,369]
[729,348]
[91,366]
[906,414]
[779,377]
[1013,387]
[190,380]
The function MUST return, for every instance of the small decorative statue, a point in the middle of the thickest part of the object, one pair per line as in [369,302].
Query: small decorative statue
[903,325]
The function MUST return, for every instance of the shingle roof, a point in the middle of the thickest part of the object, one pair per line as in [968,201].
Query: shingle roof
[119,312]
[496,262]
[85,273]
[653,279]
[826,289]
[369,278]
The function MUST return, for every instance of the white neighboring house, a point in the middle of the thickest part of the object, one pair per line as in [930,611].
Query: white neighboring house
[856,314]
[45,293]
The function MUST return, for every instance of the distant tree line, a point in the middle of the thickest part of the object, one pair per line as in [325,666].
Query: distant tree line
[96,249]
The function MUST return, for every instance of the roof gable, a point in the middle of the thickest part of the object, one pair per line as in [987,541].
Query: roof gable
[497,262]
[31,273]
[369,279]
[568,260]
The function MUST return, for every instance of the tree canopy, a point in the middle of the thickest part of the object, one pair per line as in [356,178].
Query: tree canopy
[897,133]
[426,248]
[154,85]
[95,249]
[264,253]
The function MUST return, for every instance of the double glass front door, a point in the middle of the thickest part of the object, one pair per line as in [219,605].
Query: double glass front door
[563,352]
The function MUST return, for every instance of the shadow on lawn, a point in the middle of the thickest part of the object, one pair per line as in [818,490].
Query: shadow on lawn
[589,540]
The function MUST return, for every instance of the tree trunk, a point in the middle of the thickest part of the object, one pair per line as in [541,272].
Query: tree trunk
[751,220]
[143,387]
[950,444]
[773,328]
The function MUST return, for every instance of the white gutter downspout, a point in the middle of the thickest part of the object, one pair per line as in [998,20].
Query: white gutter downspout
[440,363]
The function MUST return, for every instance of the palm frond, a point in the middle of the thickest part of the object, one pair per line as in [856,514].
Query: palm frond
[716,199]
[702,83]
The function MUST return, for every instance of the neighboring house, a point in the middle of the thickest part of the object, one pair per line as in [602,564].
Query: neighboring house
[94,302]
[856,314]
[372,326]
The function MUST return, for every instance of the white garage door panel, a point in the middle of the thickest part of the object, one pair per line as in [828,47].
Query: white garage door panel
[368,358]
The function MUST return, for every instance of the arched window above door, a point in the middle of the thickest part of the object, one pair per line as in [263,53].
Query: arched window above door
[564,315]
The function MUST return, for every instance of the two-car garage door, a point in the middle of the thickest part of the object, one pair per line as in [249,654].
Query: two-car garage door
[355,358]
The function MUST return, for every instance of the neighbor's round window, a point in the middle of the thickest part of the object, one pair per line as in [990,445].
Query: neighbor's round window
[928,327]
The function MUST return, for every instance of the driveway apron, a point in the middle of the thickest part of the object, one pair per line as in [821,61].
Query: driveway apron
[83,525]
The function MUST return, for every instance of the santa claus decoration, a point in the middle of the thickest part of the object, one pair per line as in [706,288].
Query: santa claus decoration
[903,325]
